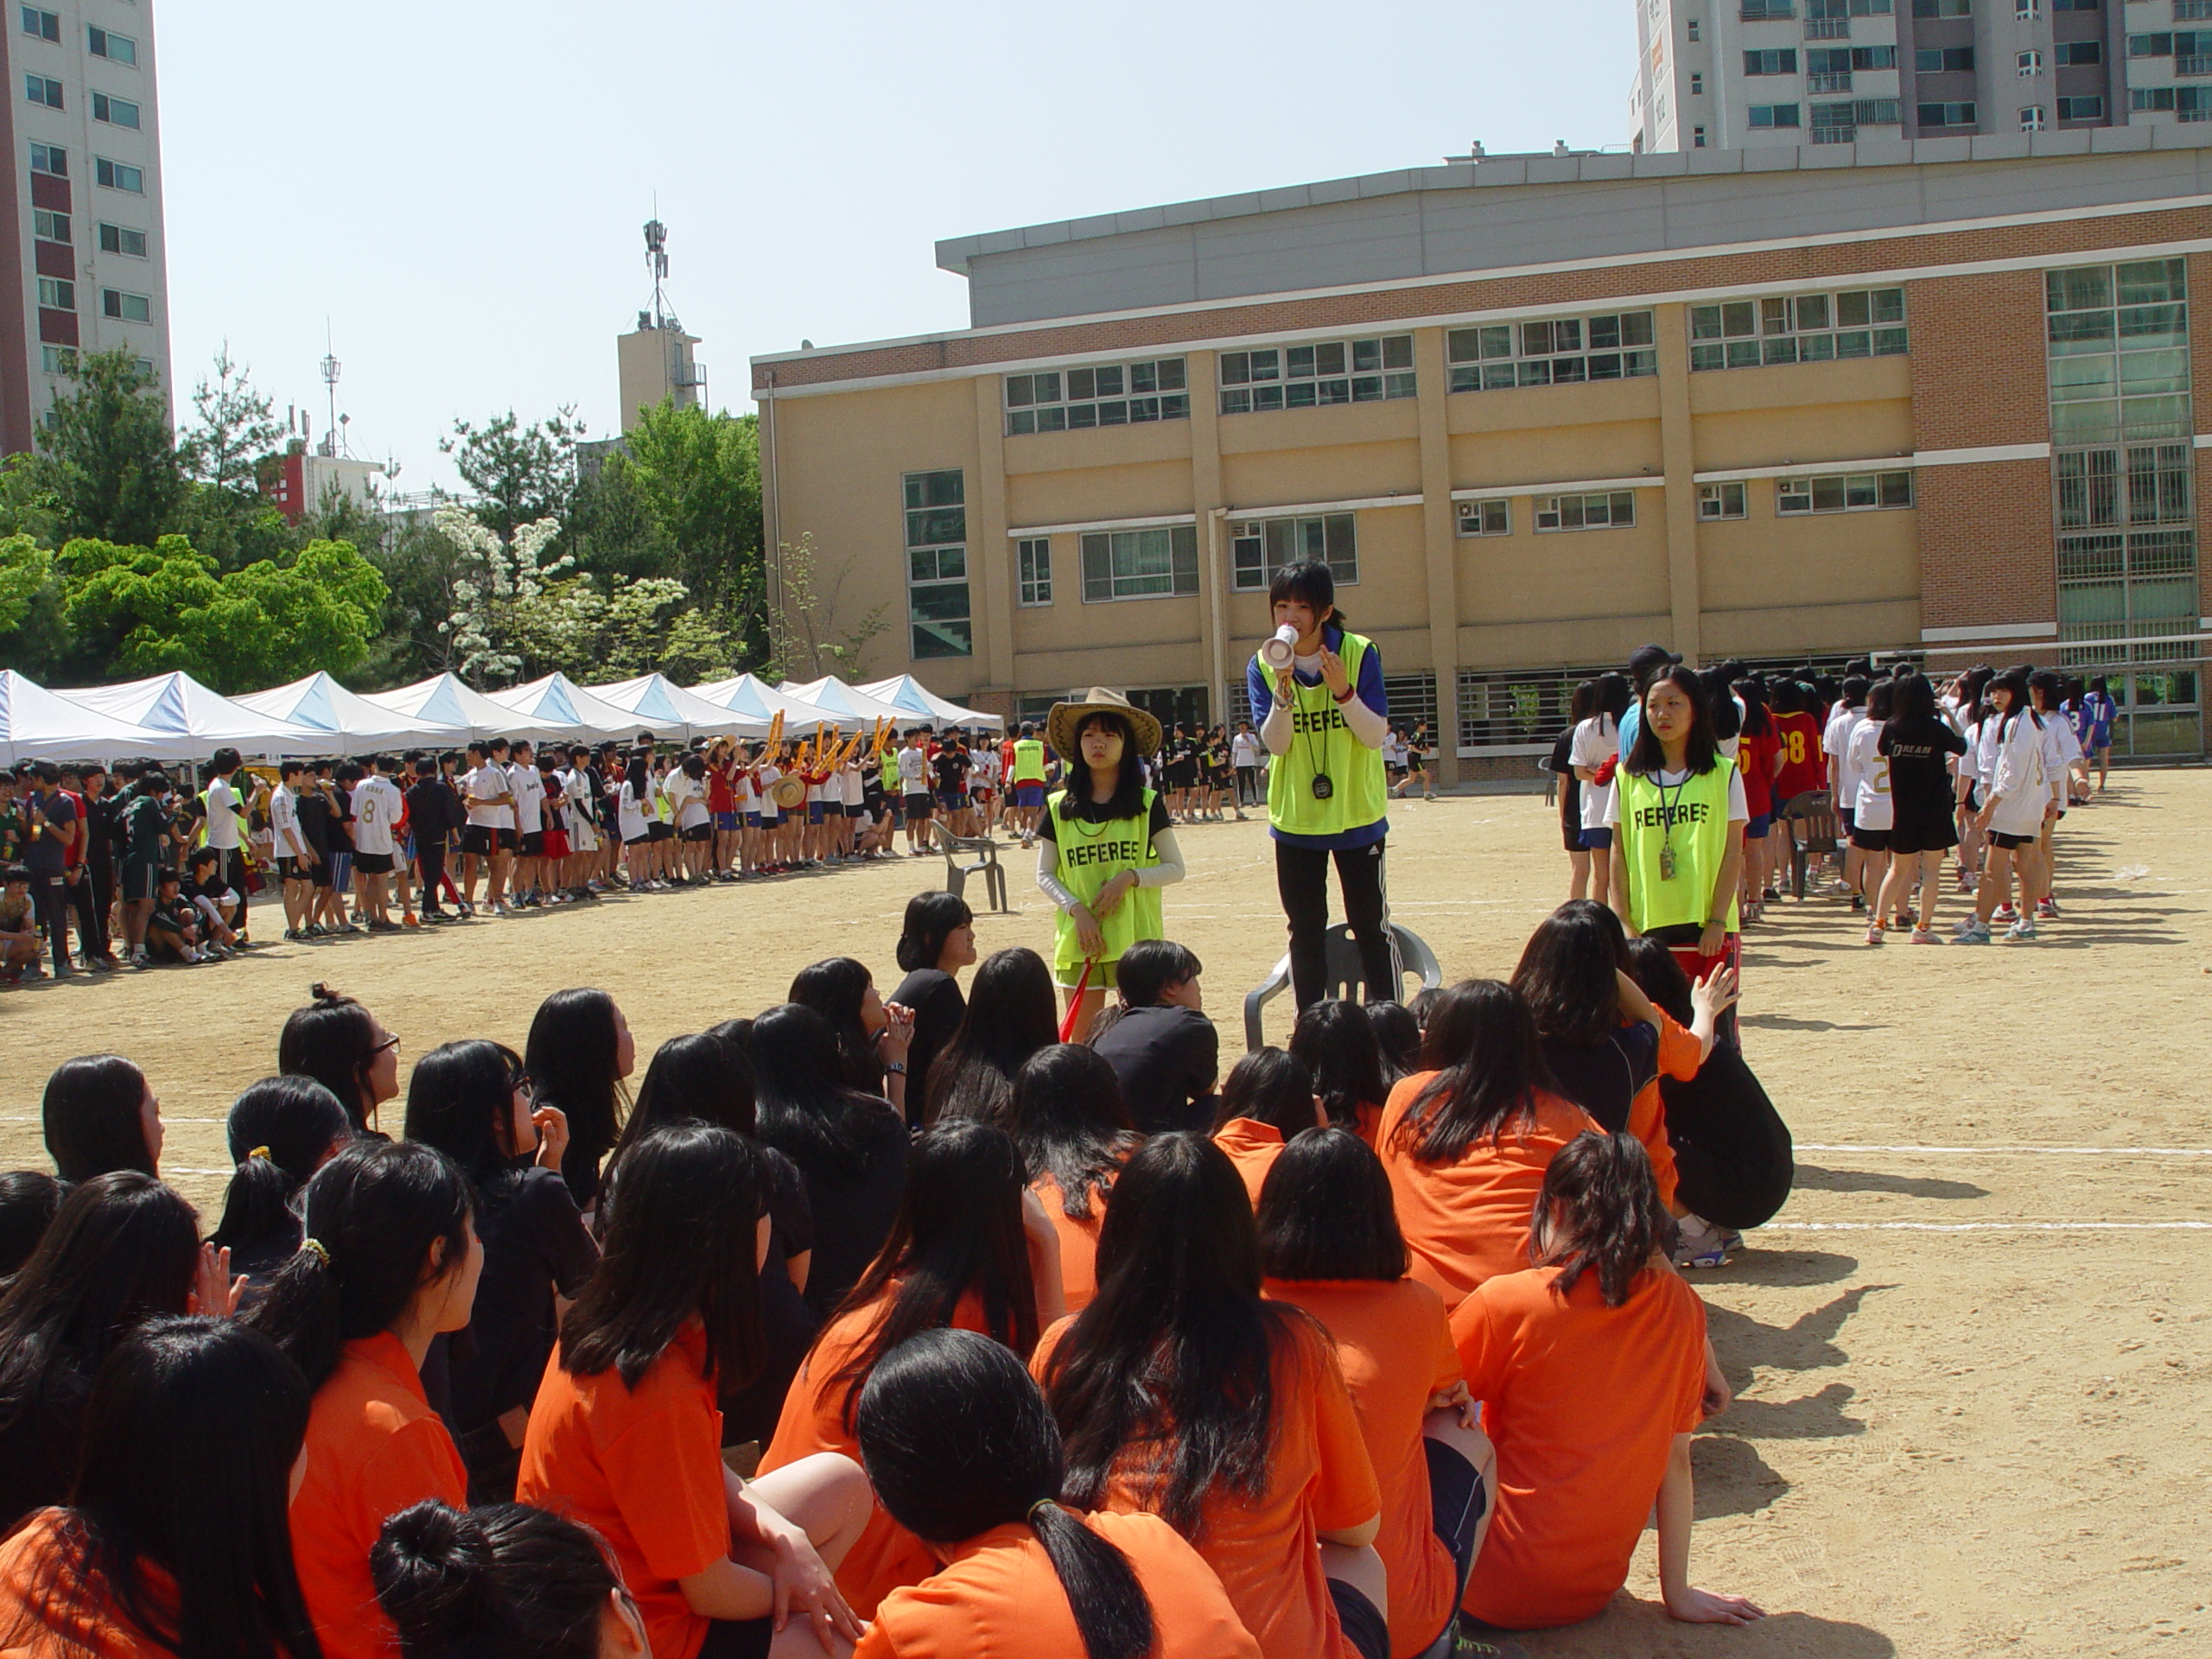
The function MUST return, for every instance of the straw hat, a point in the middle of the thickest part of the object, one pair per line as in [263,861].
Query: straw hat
[1061,724]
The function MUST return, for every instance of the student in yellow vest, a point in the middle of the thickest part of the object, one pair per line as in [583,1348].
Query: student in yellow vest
[1107,846]
[1324,720]
[1024,784]
[1680,811]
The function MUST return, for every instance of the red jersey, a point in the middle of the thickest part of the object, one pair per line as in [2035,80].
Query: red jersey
[1804,764]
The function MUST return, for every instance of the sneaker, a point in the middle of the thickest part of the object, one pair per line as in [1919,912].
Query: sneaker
[2025,930]
[1770,897]
[1974,932]
[2005,913]
[379,925]
[1857,903]
[2047,909]
[1921,936]
[1874,931]
[1699,1244]
[293,936]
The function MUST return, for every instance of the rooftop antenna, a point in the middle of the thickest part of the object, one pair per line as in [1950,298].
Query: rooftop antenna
[330,366]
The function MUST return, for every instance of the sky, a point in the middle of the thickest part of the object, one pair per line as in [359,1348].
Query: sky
[451,194]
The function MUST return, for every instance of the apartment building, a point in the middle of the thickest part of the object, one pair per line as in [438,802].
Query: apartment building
[83,190]
[1534,411]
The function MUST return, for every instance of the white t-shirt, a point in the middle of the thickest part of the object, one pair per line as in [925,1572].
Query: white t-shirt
[628,813]
[1596,741]
[529,796]
[2019,782]
[913,772]
[769,773]
[1872,806]
[224,817]
[1739,809]
[688,796]
[1846,768]
[1835,738]
[483,786]
[284,821]
[741,791]
[377,807]
[1243,750]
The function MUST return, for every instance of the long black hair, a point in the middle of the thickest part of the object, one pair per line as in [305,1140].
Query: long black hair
[1615,692]
[1488,1063]
[1177,1350]
[1268,1086]
[958,1229]
[573,1056]
[837,988]
[1599,1208]
[279,1131]
[28,1201]
[700,1078]
[1912,702]
[504,1581]
[93,1118]
[1326,1211]
[1127,799]
[807,1109]
[1566,971]
[680,1245]
[1647,755]
[334,1040]
[1757,722]
[190,1434]
[373,1214]
[957,1439]
[931,918]
[1070,1122]
[1012,1012]
[1337,1045]
[461,1100]
[1397,1035]
[1660,977]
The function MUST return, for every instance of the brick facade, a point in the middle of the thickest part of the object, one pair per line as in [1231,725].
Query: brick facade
[1987,558]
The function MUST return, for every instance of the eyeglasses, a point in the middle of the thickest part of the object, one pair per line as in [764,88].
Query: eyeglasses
[388,1042]
[525,1086]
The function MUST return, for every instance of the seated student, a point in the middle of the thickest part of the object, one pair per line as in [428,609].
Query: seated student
[1074,1134]
[1732,1154]
[19,945]
[970,1247]
[874,1037]
[1330,1244]
[1268,1098]
[504,1581]
[1158,1039]
[935,941]
[175,1540]
[218,903]
[389,1260]
[28,1200]
[1011,1013]
[280,1131]
[624,1436]
[1593,1369]
[1397,1034]
[1337,1045]
[1181,1393]
[471,1101]
[345,1048]
[99,1113]
[964,1452]
[174,927]
[122,1250]
[578,1052]
[1466,1139]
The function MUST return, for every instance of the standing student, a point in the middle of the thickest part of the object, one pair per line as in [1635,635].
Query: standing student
[489,840]
[1323,720]
[1073,1133]
[2102,712]
[378,808]
[1026,783]
[98,1113]
[295,858]
[175,1540]
[2061,753]
[1593,1369]
[1009,1018]
[227,820]
[1158,1040]
[49,828]
[1759,756]
[2013,809]
[1268,1098]
[962,1451]
[527,785]
[502,1582]
[1873,813]
[914,792]
[1595,756]
[1337,1045]
[579,1050]
[1802,766]
[148,850]
[345,1048]
[935,941]
[1914,741]
[280,1131]
[1181,1393]
[1568,786]
[94,898]
[436,816]
[624,1436]
[1246,756]
[389,1260]
[1109,844]
[1843,782]
[1330,1244]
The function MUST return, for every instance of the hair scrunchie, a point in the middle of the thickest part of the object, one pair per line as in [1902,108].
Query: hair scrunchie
[1041,1504]
[258,1152]
[316,1245]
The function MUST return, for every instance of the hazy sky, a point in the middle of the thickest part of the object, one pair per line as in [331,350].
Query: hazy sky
[458,188]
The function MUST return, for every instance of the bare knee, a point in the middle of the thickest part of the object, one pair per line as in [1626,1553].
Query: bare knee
[1362,1569]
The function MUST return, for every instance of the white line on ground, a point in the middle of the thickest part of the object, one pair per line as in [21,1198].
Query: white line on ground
[1973,1152]
[1985,1226]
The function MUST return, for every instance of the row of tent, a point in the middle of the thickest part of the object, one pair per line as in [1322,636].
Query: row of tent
[172,717]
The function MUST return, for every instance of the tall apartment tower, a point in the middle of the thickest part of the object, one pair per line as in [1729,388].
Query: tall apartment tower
[82,193]
[1738,73]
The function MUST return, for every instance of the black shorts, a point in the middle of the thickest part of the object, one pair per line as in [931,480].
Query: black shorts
[1364,1627]
[700,832]
[1456,1501]
[1928,834]
[533,843]
[291,869]
[141,878]
[738,1638]
[2011,842]
[855,811]
[919,808]
[478,839]
[1570,831]
[1870,841]
[659,831]
[372,863]
[320,872]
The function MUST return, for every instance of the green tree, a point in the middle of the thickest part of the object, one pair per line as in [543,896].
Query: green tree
[106,468]
[520,473]
[224,512]
[25,569]
[612,530]
[699,475]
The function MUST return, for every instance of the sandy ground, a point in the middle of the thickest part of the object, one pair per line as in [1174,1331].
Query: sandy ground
[1972,1355]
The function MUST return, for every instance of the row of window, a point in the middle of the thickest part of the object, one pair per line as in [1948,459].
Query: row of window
[1798,328]
[1114,394]
[62,360]
[48,226]
[2033,116]
[1308,377]
[54,161]
[45,91]
[60,293]
[43,25]
[1617,345]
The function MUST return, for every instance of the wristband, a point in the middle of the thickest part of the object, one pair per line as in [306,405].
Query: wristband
[1346,695]
[896,1068]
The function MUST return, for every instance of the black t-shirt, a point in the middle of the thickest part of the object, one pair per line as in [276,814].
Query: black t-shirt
[1168,1059]
[315,820]
[433,811]
[853,1207]
[790,1324]
[534,1243]
[1561,765]
[1920,787]
[952,771]
[934,995]
[1604,1081]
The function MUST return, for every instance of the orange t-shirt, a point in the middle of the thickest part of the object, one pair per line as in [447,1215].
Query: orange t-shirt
[886,1555]
[1253,1146]
[373,1448]
[75,1618]
[1266,1549]
[1468,1220]
[1079,1241]
[1584,1403]
[643,1467]
[1394,1344]
[1000,1595]
[1366,1119]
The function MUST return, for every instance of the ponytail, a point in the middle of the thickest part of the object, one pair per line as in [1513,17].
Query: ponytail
[502,1582]
[1112,1612]
[280,1131]
[1599,1208]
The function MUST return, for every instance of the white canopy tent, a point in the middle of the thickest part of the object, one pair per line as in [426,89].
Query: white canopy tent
[751,696]
[658,705]
[834,701]
[443,699]
[36,724]
[352,723]
[923,707]
[556,701]
[179,705]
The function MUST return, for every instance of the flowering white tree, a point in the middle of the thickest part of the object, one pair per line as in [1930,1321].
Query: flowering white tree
[494,590]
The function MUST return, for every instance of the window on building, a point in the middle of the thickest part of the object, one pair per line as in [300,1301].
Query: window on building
[127,308]
[121,239]
[2188,102]
[50,159]
[2080,52]
[116,111]
[116,48]
[1843,492]
[1332,371]
[49,227]
[938,612]
[1485,517]
[1155,564]
[1032,570]
[1692,29]
[1798,328]
[1697,85]
[118,175]
[2192,11]
[1842,59]
[1764,116]
[2159,45]
[2027,11]
[1259,547]
[1943,8]
[2030,64]
[1697,137]
[1614,510]
[2077,5]
[1720,500]
[1946,115]
[2081,109]
[1777,60]
[57,293]
[1839,122]
[43,90]
[1759,12]
[144,365]
[2031,118]
[1938,60]
[2119,353]
[1614,347]
[59,360]
[1108,394]
[41,25]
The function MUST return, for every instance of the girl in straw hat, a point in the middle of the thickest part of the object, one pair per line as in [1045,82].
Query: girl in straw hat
[1105,846]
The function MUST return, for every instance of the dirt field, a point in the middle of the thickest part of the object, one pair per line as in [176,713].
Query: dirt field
[1972,1354]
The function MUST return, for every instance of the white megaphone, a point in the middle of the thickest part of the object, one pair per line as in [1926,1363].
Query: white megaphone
[1280,649]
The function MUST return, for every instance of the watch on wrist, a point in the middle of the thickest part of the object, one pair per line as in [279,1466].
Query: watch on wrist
[896,1068]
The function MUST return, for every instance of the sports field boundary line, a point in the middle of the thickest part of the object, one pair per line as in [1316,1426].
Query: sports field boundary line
[1974,1152]
[1981,1227]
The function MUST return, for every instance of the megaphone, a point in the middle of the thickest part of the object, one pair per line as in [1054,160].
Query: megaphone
[1280,649]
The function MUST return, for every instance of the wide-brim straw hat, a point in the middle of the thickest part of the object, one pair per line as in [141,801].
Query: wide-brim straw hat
[1066,718]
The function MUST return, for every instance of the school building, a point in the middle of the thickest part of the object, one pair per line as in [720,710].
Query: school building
[1930,397]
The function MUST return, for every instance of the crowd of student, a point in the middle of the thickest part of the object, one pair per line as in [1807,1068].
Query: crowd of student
[1975,774]
[1371,1349]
